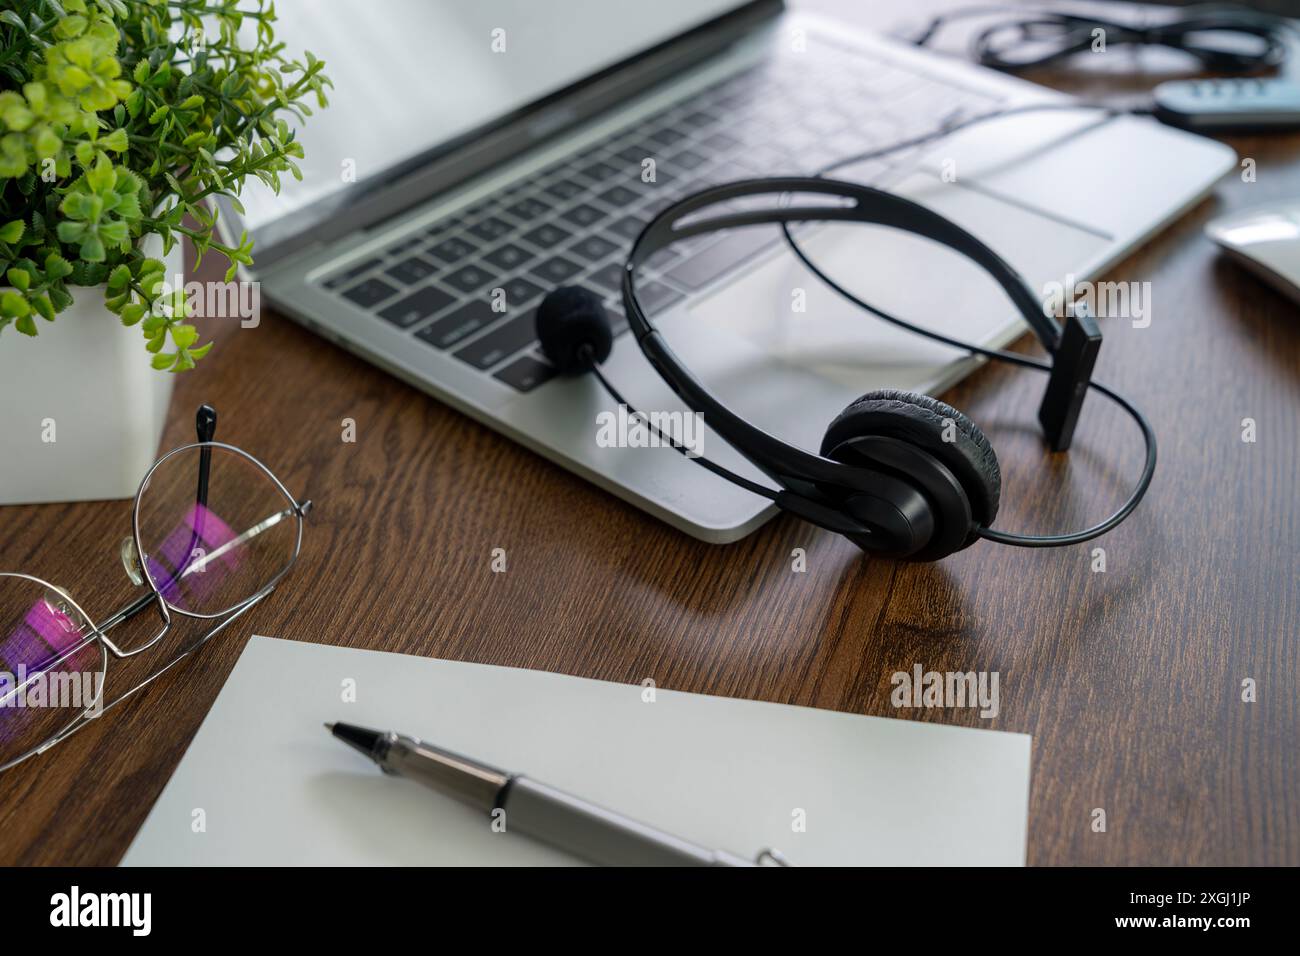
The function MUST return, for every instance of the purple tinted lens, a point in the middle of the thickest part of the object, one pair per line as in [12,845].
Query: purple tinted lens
[44,636]
[182,569]
[50,672]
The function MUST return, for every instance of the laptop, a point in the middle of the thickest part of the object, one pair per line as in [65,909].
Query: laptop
[476,156]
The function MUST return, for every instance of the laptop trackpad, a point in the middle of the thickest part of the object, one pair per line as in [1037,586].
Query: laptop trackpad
[793,317]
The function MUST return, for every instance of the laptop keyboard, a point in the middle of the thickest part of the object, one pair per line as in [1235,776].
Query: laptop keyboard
[469,285]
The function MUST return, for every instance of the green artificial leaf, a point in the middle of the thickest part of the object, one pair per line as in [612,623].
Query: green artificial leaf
[14,306]
[101,177]
[133,313]
[114,233]
[56,267]
[117,141]
[60,298]
[16,115]
[184,335]
[69,27]
[119,278]
[46,142]
[11,232]
[92,249]
[70,232]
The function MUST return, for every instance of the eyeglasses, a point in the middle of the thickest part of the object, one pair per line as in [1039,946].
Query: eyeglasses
[184,547]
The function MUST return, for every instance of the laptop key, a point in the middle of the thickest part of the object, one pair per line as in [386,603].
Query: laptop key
[719,143]
[564,189]
[442,227]
[547,236]
[636,153]
[668,136]
[599,171]
[528,209]
[420,304]
[619,196]
[617,321]
[459,324]
[698,119]
[519,291]
[629,227]
[467,278]
[608,278]
[500,343]
[663,257]
[525,373]
[342,278]
[509,256]
[490,228]
[701,268]
[583,215]
[592,248]
[658,201]
[688,159]
[556,270]
[453,249]
[412,270]
[655,296]
[403,246]
[369,292]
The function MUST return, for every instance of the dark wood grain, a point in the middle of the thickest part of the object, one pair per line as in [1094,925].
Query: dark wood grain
[1128,680]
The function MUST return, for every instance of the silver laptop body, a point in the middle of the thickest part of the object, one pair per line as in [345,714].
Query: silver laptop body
[431,268]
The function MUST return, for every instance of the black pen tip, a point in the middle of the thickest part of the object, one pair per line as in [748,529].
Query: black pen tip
[358,737]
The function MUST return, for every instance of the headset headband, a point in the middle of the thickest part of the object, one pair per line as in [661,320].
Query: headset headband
[777,458]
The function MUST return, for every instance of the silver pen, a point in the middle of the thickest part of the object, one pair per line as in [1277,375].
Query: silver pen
[544,813]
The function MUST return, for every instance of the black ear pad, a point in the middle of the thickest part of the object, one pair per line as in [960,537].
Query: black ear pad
[919,420]
[571,321]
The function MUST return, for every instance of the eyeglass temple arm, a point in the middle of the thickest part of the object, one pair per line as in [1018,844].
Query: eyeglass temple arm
[263,525]
[205,428]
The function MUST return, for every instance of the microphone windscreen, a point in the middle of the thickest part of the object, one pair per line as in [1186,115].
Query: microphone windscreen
[573,329]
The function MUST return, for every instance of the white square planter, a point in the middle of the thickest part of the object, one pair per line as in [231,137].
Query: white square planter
[85,382]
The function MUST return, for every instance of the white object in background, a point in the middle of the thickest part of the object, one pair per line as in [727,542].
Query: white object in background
[86,381]
[263,782]
[1266,240]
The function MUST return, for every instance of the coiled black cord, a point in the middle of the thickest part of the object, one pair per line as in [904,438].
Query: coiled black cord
[1223,38]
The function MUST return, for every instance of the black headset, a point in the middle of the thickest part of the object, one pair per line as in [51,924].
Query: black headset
[900,474]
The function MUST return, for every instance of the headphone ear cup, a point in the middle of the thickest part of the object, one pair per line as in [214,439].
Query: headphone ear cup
[921,421]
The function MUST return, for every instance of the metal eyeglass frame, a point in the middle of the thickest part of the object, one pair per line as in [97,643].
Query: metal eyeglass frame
[138,570]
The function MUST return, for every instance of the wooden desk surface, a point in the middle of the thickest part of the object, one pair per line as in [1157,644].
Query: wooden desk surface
[1129,680]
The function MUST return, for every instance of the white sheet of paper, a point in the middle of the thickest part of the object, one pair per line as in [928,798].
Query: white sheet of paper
[274,787]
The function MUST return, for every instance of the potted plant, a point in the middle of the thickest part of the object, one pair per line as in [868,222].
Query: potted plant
[119,121]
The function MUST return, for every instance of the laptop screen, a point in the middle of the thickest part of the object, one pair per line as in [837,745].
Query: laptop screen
[410,75]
